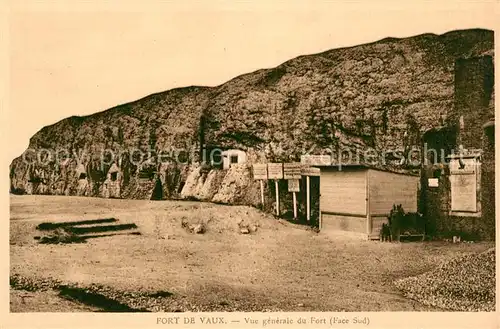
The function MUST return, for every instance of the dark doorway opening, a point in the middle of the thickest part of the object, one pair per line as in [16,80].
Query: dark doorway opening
[114,176]
[82,176]
[213,156]
[315,207]
[489,133]
[181,186]
[438,144]
[157,191]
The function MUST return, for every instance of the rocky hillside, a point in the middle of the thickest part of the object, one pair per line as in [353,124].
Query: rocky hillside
[382,95]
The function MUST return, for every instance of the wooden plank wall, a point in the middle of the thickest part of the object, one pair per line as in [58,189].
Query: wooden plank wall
[343,191]
[337,223]
[387,189]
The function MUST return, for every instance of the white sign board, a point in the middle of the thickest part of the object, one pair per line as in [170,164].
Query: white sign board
[463,181]
[311,171]
[275,170]
[433,182]
[293,185]
[260,171]
[316,160]
[463,193]
[292,170]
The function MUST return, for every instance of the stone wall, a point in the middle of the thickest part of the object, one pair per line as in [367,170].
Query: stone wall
[435,205]
[474,84]
[488,182]
[473,108]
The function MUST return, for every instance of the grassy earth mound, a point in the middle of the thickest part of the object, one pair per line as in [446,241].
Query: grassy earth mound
[465,283]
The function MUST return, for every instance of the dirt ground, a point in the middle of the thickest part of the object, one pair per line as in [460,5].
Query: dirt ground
[279,267]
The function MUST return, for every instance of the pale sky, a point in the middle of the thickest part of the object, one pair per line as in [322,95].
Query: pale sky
[91,56]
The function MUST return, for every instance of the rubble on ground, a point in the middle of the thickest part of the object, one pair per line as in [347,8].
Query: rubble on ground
[465,283]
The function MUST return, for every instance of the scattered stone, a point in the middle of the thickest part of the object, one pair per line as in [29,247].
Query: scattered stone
[60,235]
[465,283]
[199,229]
[244,230]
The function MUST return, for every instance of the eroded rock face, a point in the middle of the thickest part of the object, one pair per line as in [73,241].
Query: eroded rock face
[382,95]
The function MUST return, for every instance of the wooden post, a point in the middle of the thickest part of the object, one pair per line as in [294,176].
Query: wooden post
[368,210]
[277,197]
[294,205]
[262,192]
[308,198]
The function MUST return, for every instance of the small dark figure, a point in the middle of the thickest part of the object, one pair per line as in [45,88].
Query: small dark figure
[385,233]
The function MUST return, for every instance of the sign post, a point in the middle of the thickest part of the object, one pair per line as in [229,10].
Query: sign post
[294,205]
[308,198]
[294,187]
[262,192]
[292,172]
[277,197]
[309,171]
[275,171]
[260,173]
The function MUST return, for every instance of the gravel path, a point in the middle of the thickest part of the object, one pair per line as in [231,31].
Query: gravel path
[465,283]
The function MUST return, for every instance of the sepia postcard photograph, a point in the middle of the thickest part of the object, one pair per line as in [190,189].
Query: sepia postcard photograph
[244,164]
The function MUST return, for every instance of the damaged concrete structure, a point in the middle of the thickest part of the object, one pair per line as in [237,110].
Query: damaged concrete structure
[233,157]
[458,182]
[112,185]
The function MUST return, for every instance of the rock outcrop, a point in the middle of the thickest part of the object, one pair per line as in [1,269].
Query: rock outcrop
[381,96]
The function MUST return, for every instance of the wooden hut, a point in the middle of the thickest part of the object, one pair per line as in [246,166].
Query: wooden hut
[359,198]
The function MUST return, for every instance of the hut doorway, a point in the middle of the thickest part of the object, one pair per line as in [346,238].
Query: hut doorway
[157,191]
[315,197]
